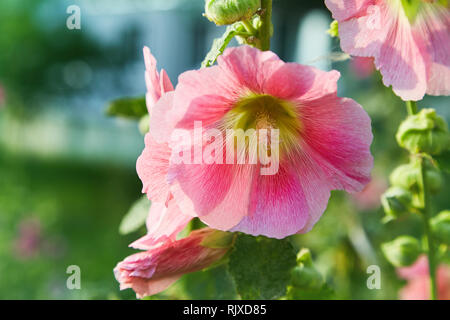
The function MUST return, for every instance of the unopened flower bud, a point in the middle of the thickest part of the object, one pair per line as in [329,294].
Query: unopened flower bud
[424,132]
[402,251]
[440,225]
[223,12]
[396,201]
[409,177]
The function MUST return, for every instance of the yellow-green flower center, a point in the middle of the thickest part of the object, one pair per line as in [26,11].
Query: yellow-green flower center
[266,112]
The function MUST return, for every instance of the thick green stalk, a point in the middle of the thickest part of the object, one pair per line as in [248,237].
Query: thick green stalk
[431,251]
[266,27]
[411,107]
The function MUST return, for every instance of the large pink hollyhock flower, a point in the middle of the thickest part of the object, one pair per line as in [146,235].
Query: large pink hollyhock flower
[153,271]
[418,286]
[324,143]
[410,41]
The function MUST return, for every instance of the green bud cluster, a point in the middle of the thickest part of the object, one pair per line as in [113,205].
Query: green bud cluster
[424,132]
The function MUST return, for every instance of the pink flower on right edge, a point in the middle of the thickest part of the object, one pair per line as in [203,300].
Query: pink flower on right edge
[409,41]
[418,286]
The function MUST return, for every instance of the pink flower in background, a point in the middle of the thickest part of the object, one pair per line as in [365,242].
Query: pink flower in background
[363,67]
[324,144]
[153,271]
[418,286]
[409,42]
[369,197]
[29,240]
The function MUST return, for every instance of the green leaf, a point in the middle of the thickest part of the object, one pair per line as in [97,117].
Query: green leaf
[213,283]
[219,46]
[133,108]
[136,216]
[261,266]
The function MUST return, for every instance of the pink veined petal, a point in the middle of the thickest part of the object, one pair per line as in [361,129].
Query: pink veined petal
[382,31]
[344,9]
[153,271]
[278,205]
[209,109]
[217,193]
[194,86]
[432,33]
[338,146]
[248,66]
[163,225]
[295,81]
[152,167]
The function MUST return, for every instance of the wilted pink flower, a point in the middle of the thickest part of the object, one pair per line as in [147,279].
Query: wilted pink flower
[410,42]
[418,286]
[153,271]
[324,144]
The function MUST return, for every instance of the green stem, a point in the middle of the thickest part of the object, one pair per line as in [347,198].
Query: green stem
[249,27]
[411,106]
[266,27]
[429,236]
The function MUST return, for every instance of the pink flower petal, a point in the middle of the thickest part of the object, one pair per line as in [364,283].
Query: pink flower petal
[152,167]
[432,32]
[163,225]
[383,31]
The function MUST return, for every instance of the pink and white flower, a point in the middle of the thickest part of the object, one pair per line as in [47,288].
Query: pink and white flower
[153,271]
[324,144]
[409,41]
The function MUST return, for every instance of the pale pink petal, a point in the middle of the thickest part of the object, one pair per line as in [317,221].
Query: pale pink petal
[344,9]
[432,33]
[152,167]
[382,30]
[164,222]
[157,84]
[165,83]
[161,121]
